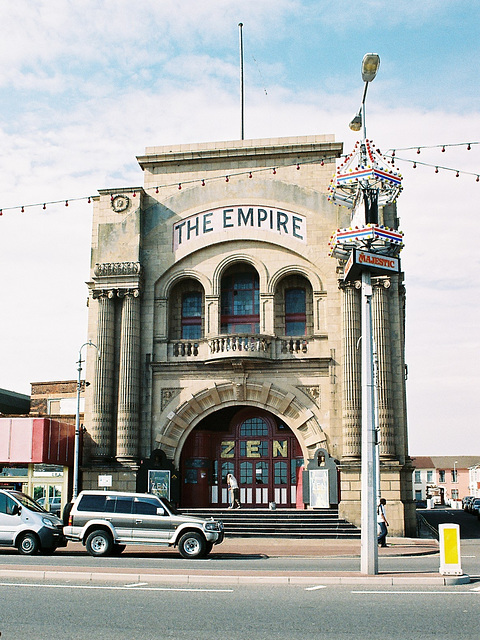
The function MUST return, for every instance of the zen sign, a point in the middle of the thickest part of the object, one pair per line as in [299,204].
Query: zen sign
[376,263]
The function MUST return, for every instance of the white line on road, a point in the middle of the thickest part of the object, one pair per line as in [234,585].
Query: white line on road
[320,586]
[408,593]
[112,588]
[137,584]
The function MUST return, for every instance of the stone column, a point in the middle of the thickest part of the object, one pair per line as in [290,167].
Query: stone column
[103,401]
[381,336]
[129,378]
[352,415]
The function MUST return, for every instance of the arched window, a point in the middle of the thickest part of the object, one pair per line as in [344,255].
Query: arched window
[240,301]
[192,315]
[295,312]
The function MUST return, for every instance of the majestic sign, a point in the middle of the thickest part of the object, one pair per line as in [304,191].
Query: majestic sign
[376,263]
[249,217]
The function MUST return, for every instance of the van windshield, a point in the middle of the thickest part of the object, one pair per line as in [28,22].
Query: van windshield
[28,503]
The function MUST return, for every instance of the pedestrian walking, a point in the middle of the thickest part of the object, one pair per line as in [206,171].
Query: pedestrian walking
[382,523]
[234,491]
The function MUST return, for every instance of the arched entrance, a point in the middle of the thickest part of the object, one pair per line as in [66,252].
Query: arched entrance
[256,446]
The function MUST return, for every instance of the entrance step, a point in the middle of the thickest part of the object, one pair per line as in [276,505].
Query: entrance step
[280,523]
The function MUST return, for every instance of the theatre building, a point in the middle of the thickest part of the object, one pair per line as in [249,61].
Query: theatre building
[229,341]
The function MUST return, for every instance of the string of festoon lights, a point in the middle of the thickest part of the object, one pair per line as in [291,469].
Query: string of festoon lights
[179,185]
[392,154]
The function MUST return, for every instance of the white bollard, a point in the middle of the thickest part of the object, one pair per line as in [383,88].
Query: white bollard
[450,560]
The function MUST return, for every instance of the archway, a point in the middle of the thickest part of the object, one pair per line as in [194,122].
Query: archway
[253,444]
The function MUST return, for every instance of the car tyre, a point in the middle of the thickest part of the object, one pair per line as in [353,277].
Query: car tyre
[192,545]
[99,543]
[28,545]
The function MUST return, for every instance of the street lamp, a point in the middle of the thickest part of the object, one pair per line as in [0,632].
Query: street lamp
[76,456]
[370,65]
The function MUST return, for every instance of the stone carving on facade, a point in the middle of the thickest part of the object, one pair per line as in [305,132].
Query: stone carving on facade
[167,395]
[108,269]
[313,392]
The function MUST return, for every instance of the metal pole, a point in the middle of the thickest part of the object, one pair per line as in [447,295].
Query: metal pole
[369,551]
[242,90]
[76,455]
[376,425]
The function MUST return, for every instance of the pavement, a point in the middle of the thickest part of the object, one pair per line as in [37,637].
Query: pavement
[248,547]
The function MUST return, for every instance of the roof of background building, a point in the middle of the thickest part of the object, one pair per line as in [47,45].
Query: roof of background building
[445,462]
[12,402]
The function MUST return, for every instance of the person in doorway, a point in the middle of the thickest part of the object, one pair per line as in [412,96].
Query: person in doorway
[382,523]
[234,491]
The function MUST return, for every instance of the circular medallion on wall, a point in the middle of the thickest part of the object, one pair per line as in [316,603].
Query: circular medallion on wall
[120,203]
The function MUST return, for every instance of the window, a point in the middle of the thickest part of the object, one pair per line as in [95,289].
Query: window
[454,475]
[240,303]
[430,475]
[418,476]
[192,315]
[454,494]
[254,427]
[441,475]
[280,472]
[295,312]
[418,495]
[6,504]
[146,506]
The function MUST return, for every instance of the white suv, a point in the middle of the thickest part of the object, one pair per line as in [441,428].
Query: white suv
[106,521]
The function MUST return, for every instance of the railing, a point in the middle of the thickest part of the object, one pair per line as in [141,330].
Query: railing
[245,346]
[239,343]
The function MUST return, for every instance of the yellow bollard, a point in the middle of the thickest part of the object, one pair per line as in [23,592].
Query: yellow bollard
[450,560]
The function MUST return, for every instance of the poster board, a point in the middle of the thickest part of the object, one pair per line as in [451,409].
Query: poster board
[319,489]
[159,483]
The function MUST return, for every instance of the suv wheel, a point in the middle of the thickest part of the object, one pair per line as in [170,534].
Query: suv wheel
[99,543]
[192,545]
[28,544]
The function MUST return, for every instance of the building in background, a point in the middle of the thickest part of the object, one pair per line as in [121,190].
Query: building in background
[37,449]
[229,341]
[445,478]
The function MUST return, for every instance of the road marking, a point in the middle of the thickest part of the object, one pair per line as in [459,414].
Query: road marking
[408,593]
[137,584]
[469,556]
[111,588]
[320,586]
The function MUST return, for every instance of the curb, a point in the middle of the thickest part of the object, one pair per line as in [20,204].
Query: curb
[237,579]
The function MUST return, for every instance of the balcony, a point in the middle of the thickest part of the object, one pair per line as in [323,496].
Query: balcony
[252,347]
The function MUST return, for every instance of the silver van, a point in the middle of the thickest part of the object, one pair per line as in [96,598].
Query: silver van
[106,521]
[24,524]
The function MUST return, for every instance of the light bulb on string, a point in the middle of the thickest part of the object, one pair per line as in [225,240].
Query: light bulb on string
[156,190]
[44,206]
[436,169]
[469,146]
[203,183]
[227,179]
[179,186]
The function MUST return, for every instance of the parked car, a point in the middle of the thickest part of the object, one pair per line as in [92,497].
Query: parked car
[466,502]
[24,524]
[106,521]
[54,505]
[475,506]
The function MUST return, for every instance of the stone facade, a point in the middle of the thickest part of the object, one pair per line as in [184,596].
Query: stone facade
[205,213]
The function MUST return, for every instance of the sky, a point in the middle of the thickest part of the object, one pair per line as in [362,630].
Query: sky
[85,86]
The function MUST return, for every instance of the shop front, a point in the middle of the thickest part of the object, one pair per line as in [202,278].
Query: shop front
[36,456]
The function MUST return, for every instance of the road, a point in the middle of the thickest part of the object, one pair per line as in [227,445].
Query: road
[122,612]
[70,607]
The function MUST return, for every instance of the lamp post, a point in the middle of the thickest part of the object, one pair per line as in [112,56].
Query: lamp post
[76,456]
[369,550]
[361,250]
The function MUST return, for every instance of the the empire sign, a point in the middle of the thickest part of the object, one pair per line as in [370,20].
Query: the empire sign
[376,263]
[234,218]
